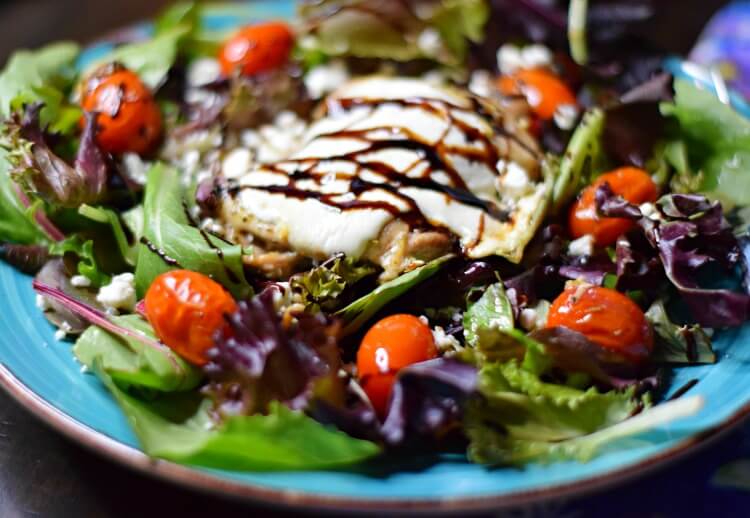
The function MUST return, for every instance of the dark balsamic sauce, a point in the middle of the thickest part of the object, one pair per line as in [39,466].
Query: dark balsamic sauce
[169,261]
[435,155]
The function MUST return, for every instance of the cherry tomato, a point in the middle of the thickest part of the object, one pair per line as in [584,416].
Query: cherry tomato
[390,345]
[543,90]
[186,309]
[128,117]
[633,184]
[257,48]
[606,317]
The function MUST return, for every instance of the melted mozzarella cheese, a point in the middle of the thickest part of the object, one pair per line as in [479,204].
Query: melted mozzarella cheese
[371,160]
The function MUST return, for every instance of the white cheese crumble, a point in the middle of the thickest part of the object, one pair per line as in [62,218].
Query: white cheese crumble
[430,42]
[118,294]
[481,83]
[650,211]
[535,317]
[566,116]
[42,303]
[511,58]
[269,143]
[515,183]
[236,163]
[536,56]
[444,341]
[135,167]
[324,79]
[203,71]
[583,246]
[63,331]
[80,281]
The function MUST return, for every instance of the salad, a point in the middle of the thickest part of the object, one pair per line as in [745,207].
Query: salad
[396,226]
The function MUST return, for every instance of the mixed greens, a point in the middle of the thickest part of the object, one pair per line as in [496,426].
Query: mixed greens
[133,188]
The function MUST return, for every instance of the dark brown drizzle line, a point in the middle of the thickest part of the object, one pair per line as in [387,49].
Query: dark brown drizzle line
[434,154]
[219,252]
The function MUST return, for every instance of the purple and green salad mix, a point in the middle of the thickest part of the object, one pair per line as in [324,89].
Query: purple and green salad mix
[396,226]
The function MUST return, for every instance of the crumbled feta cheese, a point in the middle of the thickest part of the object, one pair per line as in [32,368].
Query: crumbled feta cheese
[532,94]
[430,42]
[119,293]
[650,211]
[481,83]
[236,163]
[84,369]
[212,226]
[536,56]
[515,182]
[135,168]
[424,319]
[435,77]
[63,331]
[42,303]
[203,71]
[444,341]
[566,116]
[583,246]
[324,79]
[80,281]
[509,58]
[527,318]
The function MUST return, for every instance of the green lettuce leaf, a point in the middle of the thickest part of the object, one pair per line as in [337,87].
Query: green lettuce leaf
[390,29]
[582,161]
[488,317]
[150,59]
[110,218]
[320,287]
[17,224]
[39,75]
[363,309]
[678,344]
[718,141]
[489,445]
[134,363]
[83,249]
[168,230]
[281,440]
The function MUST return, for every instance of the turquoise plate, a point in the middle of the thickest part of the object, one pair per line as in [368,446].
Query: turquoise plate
[42,374]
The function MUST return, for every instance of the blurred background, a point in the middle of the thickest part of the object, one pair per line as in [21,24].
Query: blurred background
[30,23]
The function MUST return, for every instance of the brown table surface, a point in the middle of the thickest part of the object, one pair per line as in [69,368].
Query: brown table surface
[41,473]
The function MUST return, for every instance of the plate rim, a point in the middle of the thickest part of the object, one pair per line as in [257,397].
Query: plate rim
[194,479]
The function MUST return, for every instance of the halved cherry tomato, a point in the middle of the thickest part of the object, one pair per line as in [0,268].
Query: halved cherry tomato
[257,48]
[606,317]
[129,119]
[187,309]
[633,184]
[543,90]
[390,345]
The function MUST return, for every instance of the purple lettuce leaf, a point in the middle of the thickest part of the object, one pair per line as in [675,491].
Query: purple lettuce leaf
[262,358]
[694,235]
[427,398]
[27,258]
[611,205]
[38,169]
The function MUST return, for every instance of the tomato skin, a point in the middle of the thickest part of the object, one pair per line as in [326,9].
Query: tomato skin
[633,184]
[129,120]
[186,310]
[257,48]
[606,317]
[391,344]
[544,90]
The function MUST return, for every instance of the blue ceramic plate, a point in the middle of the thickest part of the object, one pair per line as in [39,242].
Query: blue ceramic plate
[42,374]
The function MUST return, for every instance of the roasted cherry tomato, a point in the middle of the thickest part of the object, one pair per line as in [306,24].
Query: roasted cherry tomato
[390,345]
[543,90]
[257,48]
[606,317]
[633,184]
[128,117]
[187,309]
